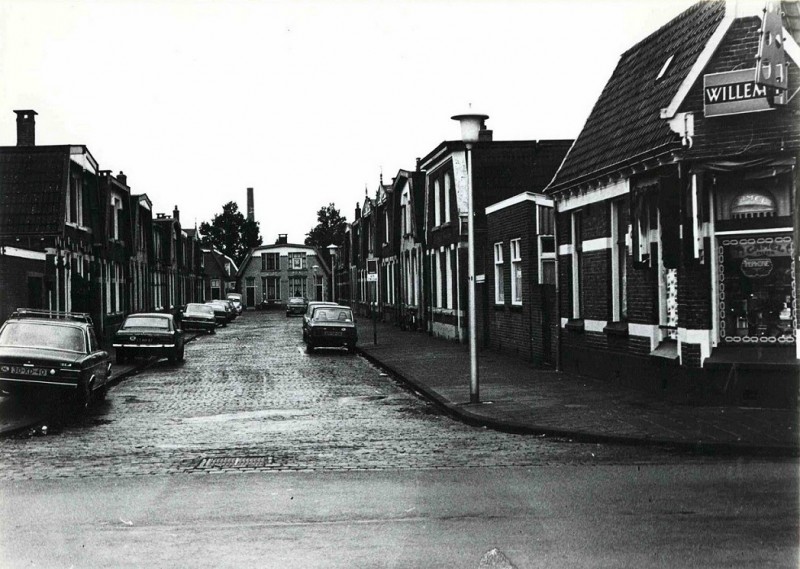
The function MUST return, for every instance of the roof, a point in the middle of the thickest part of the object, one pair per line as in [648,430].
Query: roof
[625,122]
[32,181]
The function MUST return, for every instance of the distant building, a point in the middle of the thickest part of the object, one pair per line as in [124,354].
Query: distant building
[271,274]
[221,273]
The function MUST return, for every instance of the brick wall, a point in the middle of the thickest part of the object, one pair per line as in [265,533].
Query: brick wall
[14,273]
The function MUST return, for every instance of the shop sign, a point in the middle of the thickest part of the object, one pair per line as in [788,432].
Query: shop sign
[734,92]
[767,248]
[756,268]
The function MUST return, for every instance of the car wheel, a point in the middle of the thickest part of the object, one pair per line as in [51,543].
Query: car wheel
[351,348]
[121,357]
[180,354]
[309,347]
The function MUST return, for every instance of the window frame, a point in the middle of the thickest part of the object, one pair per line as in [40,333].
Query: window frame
[499,281]
[515,260]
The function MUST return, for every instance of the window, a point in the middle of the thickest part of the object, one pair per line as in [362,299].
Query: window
[114,214]
[437,255]
[297,260]
[404,219]
[547,250]
[437,209]
[640,220]
[298,286]
[271,287]
[75,201]
[499,283]
[386,227]
[516,272]
[270,261]
[619,255]
[448,280]
[577,242]
[447,197]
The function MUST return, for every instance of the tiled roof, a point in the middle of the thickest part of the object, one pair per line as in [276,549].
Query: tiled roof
[32,190]
[625,121]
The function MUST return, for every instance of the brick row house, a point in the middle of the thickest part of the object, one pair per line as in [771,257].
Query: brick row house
[416,231]
[676,215]
[74,237]
[221,272]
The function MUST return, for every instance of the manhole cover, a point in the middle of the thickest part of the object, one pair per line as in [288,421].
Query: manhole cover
[242,462]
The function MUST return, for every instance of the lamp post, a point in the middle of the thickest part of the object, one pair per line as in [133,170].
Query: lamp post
[471,125]
[332,249]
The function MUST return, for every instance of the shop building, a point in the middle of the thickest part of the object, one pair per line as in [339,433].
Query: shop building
[676,214]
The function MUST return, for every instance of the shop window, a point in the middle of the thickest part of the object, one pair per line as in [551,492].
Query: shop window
[758,295]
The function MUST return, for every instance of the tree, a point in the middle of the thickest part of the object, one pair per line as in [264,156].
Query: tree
[230,233]
[329,230]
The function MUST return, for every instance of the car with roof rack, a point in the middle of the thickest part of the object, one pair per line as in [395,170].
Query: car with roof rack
[44,349]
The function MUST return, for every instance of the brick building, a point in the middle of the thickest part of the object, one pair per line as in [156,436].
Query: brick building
[271,274]
[677,217]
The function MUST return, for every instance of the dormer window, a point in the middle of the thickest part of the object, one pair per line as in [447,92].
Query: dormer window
[665,67]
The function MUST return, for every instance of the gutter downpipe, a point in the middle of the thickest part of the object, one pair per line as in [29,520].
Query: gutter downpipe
[558,284]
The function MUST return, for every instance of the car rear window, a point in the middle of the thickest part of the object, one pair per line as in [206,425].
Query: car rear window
[40,335]
[199,309]
[334,314]
[147,322]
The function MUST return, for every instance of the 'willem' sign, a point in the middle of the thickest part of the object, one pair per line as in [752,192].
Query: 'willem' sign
[733,93]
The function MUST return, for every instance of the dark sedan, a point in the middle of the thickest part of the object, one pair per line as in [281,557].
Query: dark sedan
[149,334]
[199,317]
[331,327]
[310,311]
[53,349]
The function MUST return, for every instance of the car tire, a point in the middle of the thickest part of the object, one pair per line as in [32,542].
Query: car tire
[180,355]
[309,347]
[121,357]
[351,349]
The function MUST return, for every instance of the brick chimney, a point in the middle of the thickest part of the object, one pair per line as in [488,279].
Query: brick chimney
[251,213]
[283,239]
[123,179]
[358,211]
[26,128]
[484,134]
[176,215]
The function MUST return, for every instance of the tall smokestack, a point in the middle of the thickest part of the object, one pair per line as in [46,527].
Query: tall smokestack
[26,128]
[251,212]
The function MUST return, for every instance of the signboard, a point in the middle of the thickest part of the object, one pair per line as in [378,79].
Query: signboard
[372,270]
[771,59]
[733,93]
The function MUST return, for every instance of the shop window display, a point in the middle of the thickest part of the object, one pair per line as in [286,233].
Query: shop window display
[757,290]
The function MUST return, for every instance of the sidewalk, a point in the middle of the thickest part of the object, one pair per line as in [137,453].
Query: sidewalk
[517,397]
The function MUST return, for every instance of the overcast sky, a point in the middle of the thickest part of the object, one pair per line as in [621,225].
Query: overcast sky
[307,102]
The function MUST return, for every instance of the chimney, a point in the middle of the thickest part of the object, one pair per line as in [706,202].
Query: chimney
[358,211]
[123,179]
[283,239]
[176,215]
[484,134]
[26,128]
[251,214]
[419,161]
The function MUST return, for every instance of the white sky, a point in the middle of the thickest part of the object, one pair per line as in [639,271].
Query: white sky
[304,101]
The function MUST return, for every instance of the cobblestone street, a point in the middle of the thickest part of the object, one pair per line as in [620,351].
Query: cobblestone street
[250,399]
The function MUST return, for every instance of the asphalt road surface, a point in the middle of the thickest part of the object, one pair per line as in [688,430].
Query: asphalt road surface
[253,453]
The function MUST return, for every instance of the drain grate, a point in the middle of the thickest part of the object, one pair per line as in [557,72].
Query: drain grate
[242,462]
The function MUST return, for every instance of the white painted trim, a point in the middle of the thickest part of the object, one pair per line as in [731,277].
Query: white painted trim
[599,244]
[702,337]
[564,322]
[613,190]
[538,199]
[651,331]
[23,253]
[565,249]
[743,231]
[700,64]
[594,325]
[790,47]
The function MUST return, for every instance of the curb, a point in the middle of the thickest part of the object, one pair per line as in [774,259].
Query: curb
[458,412]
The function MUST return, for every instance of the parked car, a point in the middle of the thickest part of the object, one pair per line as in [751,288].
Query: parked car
[296,305]
[222,311]
[310,310]
[199,317]
[232,305]
[149,334]
[236,298]
[331,327]
[44,349]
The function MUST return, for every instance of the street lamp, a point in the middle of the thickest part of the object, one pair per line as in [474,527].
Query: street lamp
[332,250]
[471,125]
